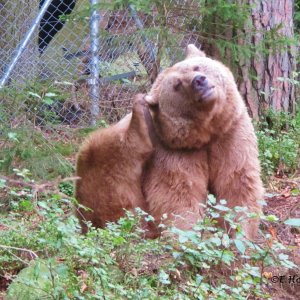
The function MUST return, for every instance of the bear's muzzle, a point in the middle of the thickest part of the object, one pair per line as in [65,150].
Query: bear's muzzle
[201,85]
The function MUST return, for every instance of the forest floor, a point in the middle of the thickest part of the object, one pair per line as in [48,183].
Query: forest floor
[283,200]
[285,204]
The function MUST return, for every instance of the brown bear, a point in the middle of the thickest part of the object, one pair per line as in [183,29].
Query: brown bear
[110,165]
[196,105]
[203,139]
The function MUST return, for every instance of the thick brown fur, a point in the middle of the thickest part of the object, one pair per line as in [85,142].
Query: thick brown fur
[110,165]
[175,184]
[185,118]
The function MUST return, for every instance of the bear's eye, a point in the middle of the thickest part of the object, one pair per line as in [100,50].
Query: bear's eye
[196,68]
[177,85]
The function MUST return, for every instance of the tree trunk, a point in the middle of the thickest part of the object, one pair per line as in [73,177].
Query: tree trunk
[258,52]
[15,19]
[266,78]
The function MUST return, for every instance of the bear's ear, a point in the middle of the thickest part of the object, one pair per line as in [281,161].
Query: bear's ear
[192,51]
[152,102]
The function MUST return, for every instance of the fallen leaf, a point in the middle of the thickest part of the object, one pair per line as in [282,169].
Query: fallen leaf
[267,275]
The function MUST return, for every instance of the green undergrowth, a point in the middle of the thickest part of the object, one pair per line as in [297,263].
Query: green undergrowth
[279,142]
[46,154]
[45,256]
[29,148]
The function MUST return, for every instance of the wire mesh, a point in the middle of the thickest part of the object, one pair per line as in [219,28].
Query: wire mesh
[49,88]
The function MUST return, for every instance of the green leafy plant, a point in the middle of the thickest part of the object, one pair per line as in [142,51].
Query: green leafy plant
[279,142]
[66,188]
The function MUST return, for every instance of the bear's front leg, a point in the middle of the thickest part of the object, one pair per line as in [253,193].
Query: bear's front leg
[140,132]
[110,165]
[234,171]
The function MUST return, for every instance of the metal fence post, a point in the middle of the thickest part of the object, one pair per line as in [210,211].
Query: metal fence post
[94,84]
[24,43]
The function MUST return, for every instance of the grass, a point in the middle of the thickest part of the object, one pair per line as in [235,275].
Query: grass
[30,149]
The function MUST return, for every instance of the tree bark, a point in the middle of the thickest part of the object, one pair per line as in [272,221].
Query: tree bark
[261,56]
[265,78]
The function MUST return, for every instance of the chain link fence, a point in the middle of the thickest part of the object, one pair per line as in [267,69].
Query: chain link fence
[79,63]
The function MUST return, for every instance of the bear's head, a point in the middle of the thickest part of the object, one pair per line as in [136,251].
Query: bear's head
[193,101]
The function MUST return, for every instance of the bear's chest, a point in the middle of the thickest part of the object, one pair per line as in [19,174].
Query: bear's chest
[175,176]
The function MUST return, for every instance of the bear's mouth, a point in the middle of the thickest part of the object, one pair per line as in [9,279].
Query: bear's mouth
[206,93]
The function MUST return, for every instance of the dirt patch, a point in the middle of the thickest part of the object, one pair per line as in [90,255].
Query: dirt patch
[285,204]
[4,283]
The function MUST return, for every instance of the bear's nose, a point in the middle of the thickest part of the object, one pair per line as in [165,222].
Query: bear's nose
[199,82]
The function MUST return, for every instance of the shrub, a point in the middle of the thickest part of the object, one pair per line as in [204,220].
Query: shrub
[279,142]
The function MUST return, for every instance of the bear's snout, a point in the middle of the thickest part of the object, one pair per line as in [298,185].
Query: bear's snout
[200,83]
